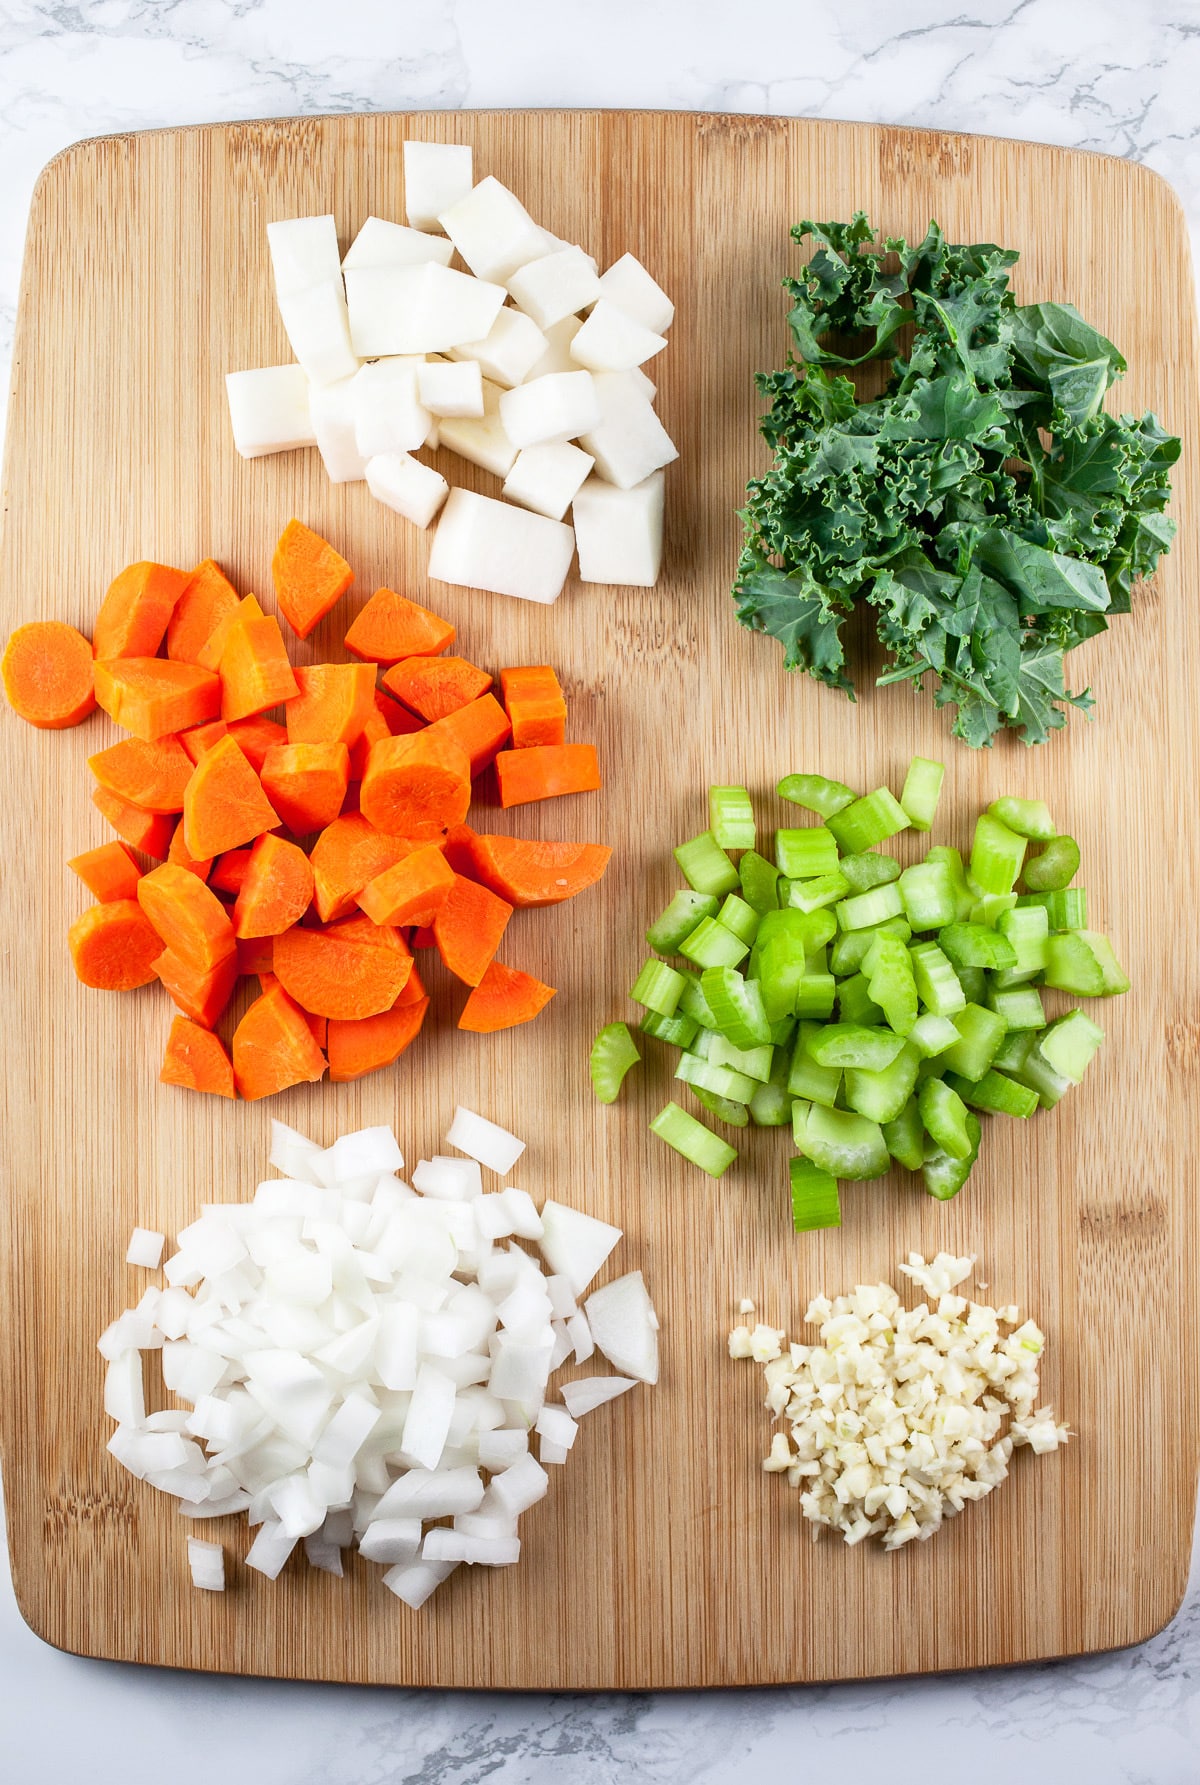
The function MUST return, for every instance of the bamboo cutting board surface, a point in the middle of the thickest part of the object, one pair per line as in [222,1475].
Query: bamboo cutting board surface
[663,1556]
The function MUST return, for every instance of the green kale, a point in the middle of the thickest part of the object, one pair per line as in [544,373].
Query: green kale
[986,506]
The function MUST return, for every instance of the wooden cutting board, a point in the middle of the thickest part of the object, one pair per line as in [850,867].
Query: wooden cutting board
[663,1556]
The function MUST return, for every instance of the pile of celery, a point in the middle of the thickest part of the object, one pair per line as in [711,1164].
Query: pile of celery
[873,1009]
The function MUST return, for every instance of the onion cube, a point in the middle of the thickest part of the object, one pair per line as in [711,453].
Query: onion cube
[624,1327]
[619,533]
[556,1424]
[527,1223]
[436,176]
[421,1493]
[323,1555]
[421,309]
[268,410]
[628,285]
[332,408]
[347,1431]
[428,1419]
[549,1452]
[558,338]
[292,1152]
[501,1449]
[457,1546]
[304,252]
[519,1370]
[145,1248]
[270,1549]
[480,1139]
[414,1582]
[207,1563]
[456,1180]
[516,1489]
[581,1336]
[493,231]
[555,408]
[611,341]
[296,1506]
[629,443]
[406,486]
[510,349]
[575,1245]
[547,477]
[451,387]
[391,1540]
[396,1350]
[366,1152]
[124,1391]
[318,328]
[555,286]
[482,442]
[382,244]
[582,1396]
[388,416]
[484,544]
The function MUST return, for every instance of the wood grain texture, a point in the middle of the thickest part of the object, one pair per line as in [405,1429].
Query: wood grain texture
[663,1556]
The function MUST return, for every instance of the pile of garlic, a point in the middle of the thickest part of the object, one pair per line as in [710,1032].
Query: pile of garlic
[528,365]
[897,1417]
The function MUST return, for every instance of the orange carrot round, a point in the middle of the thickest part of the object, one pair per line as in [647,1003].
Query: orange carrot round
[213,649]
[178,854]
[196,1059]
[435,687]
[503,998]
[342,972]
[49,675]
[468,928]
[526,872]
[391,626]
[109,872]
[152,775]
[306,784]
[416,786]
[114,946]
[276,891]
[255,669]
[273,1047]
[188,916]
[356,1048]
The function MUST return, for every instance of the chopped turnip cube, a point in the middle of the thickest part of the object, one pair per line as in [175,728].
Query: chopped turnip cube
[269,410]
[451,387]
[417,309]
[207,1563]
[415,1582]
[483,544]
[382,244]
[319,330]
[391,1540]
[619,533]
[510,349]
[457,1546]
[436,176]
[493,231]
[556,1425]
[611,341]
[575,1245]
[549,1452]
[484,442]
[145,1248]
[551,409]
[388,416]
[628,285]
[304,252]
[332,407]
[629,443]
[555,286]
[546,478]
[405,485]
[593,1391]
[623,1324]
[557,357]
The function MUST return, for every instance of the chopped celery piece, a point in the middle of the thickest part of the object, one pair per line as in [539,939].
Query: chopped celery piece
[932,1035]
[726,1109]
[819,1084]
[904,1137]
[997,1094]
[815,1202]
[1014,1051]
[755,1062]
[771,1107]
[973,981]
[989,908]
[814,895]
[928,894]
[1074,963]
[922,790]
[964,898]
[679,1030]
[1026,929]
[817,962]
[1029,818]
[890,982]
[613,1053]
[693,1003]
[737,1006]
[760,881]
[850,1044]
[805,853]
[679,920]
[849,949]
[777,968]
[815,792]
[801,1110]
[816,995]
[944,1175]
[1070,1044]
[706,867]
[980,1034]
[1037,1072]
[741,918]
[868,869]
[870,820]
[865,910]
[691,1138]
[856,1005]
[1054,867]
[973,945]
[1020,1008]
[783,1030]
[731,817]
[712,945]
[807,930]
[843,1142]
[944,1115]
[938,985]
[882,1095]
[658,988]
[1067,910]
[996,855]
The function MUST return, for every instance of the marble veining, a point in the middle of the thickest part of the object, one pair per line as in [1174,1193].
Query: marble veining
[1119,76]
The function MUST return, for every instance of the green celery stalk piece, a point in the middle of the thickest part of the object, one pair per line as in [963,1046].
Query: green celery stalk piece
[927,889]
[882,1095]
[706,867]
[997,855]
[1054,867]
[973,981]
[851,1044]
[1020,1007]
[816,995]
[964,898]
[865,910]
[712,945]
[755,1062]
[938,985]
[1070,1044]
[771,1107]
[815,1202]
[1072,965]
[1029,818]
[990,908]
[922,790]
[816,1084]
[679,920]
[678,1030]
[658,988]
[741,918]
[760,880]
[815,792]
[809,896]
[945,1117]
[980,1035]
[905,1137]
[613,1053]
[737,1115]
[804,853]
[737,1006]
[731,817]
[1013,1052]
[722,1081]
[844,1143]
[890,982]
[999,1095]
[856,1005]
[850,947]
[944,1175]
[974,945]
[693,1003]
[867,869]
[867,821]
[932,1035]
[693,1140]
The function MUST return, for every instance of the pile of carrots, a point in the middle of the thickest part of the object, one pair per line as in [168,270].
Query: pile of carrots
[317,849]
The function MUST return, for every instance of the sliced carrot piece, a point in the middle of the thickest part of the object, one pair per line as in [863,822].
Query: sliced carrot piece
[526,872]
[152,775]
[356,1048]
[201,738]
[224,805]
[413,891]
[230,871]
[109,872]
[255,955]
[309,576]
[151,832]
[480,728]
[151,696]
[276,891]
[503,998]
[188,916]
[347,854]
[196,1059]
[114,946]
[341,971]
[416,786]
[413,991]
[254,737]
[376,727]
[468,928]
[49,675]
[391,626]
[543,771]
[255,670]
[201,995]
[208,598]
[318,1027]
[213,648]
[273,1047]
[135,612]
[334,702]
[178,854]
[535,704]
[306,783]
[400,722]
[436,686]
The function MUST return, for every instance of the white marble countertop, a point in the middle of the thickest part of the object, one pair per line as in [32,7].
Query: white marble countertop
[1115,75]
